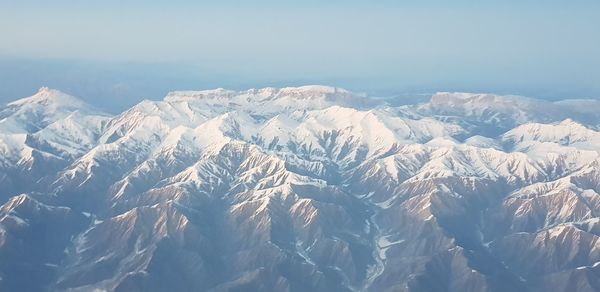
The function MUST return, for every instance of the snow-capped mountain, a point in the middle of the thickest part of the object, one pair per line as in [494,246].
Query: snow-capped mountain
[312,188]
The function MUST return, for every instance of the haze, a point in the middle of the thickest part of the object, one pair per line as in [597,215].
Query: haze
[114,54]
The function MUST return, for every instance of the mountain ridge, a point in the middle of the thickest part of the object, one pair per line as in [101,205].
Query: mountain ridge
[305,189]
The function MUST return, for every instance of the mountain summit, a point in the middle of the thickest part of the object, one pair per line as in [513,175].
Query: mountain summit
[309,188]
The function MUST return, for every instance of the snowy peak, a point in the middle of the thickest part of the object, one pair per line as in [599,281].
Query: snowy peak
[302,92]
[486,105]
[567,132]
[314,92]
[504,112]
[219,93]
[458,98]
[274,99]
[477,99]
[33,113]
[310,188]
[50,98]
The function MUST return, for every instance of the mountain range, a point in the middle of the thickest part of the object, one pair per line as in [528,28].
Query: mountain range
[309,188]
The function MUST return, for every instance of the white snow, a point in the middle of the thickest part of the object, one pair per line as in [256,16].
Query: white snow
[384,244]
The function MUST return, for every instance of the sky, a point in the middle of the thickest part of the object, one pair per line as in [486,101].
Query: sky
[115,53]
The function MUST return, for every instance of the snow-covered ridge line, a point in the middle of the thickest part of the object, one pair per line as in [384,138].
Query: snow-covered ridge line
[312,187]
[266,92]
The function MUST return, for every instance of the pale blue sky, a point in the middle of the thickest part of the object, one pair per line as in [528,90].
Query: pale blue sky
[116,52]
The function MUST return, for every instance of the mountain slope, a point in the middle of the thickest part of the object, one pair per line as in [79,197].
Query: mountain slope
[312,188]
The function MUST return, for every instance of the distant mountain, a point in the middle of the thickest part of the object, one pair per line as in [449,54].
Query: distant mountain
[312,188]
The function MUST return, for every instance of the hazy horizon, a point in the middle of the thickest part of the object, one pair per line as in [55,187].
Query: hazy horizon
[114,54]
